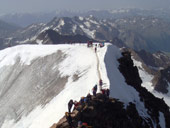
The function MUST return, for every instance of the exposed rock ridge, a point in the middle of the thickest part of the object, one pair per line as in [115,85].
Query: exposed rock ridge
[153,104]
[104,112]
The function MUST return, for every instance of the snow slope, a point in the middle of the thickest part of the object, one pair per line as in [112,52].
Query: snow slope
[79,64]
[78,61]
[147,82]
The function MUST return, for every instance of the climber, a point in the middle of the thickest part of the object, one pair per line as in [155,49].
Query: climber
[95,49]
[82,100]
[79,124]
[76,104]
[70,104]
[94,90]
[84,125]
[88,97]
[107,92]
[100,83]
[69,119]
[101,45]
[103,91]
[85,100]
[90,44]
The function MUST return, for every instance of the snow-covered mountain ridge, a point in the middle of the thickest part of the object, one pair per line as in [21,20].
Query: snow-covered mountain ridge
[37,82]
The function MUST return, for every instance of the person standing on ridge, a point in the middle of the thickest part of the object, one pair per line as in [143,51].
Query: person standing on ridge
[70,104]
[100,83]
[95,49]
[94,90]
[107,92]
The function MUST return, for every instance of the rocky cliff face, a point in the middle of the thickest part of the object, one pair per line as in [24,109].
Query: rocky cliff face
[104,112]
[162,80]
[157,60]
[131,75]
[155,64]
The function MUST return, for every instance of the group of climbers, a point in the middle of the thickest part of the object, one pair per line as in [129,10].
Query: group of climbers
[90,44]
[82,101]
[85,100]
[103,91]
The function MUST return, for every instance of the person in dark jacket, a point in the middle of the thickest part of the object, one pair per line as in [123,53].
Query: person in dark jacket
[100,82]
[95,49]
[82,100]
[107,92]
[88,97]
[94,90]
[95,87]
[70,104]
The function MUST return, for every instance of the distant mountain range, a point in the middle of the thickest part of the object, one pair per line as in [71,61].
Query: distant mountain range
[134,28]
[148,33]
[6,29]
[26,19]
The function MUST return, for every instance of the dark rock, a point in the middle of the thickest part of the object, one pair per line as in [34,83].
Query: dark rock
[103,112]
[153,104]
[52,37]
[162,79]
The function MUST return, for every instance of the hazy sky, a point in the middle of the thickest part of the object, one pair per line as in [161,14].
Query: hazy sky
[9,6]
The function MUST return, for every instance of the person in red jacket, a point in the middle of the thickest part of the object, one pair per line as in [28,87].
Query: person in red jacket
[76,104]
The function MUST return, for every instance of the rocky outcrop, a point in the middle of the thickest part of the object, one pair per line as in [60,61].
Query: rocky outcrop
[162,80]
[157,60]
[153,104]
[158,65]
[104,112]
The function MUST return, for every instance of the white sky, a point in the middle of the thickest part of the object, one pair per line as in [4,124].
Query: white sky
[9,6]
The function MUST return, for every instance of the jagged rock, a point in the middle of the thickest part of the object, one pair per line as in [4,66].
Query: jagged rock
[104,112]
[162,79]
[153,104]
[158,59]
[157,65]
